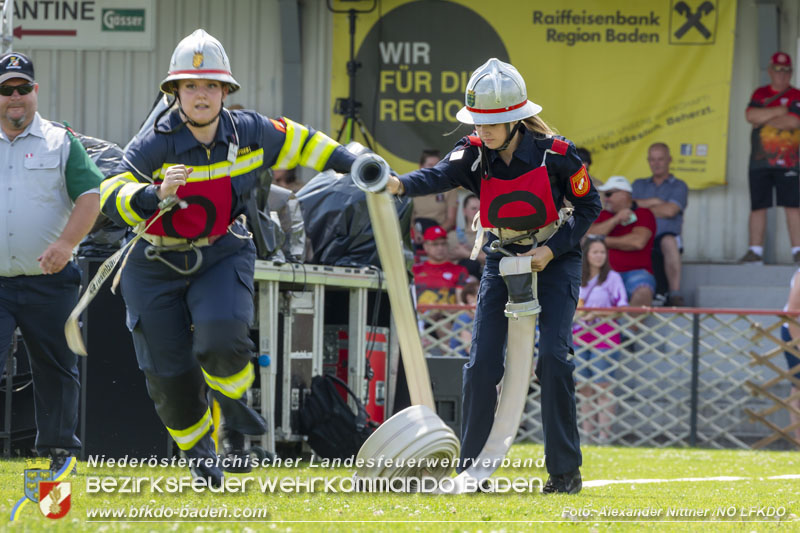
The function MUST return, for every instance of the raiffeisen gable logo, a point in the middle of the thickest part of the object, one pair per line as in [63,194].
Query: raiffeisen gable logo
[693,21]
[123,20]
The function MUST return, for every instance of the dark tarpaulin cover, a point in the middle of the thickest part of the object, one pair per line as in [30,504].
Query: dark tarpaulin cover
[337,221]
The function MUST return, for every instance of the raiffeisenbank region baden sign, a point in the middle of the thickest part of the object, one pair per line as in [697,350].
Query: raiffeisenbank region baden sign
[84,24]
[614,76]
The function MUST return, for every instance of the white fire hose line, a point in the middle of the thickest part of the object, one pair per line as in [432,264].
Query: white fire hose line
[516,379]
[383,216]
[417,432]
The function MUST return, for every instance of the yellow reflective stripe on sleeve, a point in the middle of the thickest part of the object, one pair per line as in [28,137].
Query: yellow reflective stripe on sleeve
[124,208]
[232,386]
[187,438]
[317,151]
[107,187]
[289,156]
[113,183]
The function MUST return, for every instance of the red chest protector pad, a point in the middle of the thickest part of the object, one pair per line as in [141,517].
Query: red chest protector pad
[524,203]
[208,212]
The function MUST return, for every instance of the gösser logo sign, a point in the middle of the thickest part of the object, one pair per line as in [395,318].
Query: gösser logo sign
[123,20]
[84,25]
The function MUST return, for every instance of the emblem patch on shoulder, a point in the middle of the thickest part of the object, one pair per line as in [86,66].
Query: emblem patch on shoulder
[580,182]
[278,125]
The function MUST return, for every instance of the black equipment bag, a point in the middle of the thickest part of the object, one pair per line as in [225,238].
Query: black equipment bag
[333,430]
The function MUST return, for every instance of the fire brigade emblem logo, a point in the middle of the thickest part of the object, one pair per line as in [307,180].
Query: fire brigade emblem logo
[471,98]
[580,182]
[42,487]
[197,60]
[55,498]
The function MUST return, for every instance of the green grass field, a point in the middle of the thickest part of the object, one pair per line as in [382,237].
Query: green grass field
[486,512]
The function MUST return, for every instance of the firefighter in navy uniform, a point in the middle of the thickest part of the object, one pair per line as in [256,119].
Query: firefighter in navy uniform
[522,173]
[188,284]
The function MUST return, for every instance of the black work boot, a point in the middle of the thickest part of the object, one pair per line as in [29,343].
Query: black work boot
[62,463]
[236,459]
[569,483]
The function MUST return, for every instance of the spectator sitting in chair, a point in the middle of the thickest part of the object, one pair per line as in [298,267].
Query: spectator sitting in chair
[438,280]
[629,232]
[666,196]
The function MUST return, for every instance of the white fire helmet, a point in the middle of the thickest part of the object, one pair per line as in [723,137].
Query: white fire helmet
[199,56]
[496,94]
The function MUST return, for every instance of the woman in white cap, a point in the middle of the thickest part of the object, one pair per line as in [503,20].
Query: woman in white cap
[523,173]
[188,285]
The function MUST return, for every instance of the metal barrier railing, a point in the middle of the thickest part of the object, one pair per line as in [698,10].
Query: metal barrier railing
[665,376]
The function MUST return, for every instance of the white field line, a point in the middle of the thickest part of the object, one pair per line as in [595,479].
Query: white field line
[604,482]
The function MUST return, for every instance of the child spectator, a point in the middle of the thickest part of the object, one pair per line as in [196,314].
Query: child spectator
[600,287]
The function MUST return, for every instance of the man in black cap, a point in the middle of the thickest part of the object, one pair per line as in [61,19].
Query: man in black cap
[49,202]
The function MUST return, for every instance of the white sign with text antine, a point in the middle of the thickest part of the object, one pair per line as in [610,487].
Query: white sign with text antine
[84,24]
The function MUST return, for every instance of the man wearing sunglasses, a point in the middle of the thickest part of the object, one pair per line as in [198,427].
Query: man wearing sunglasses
[50,199]
[629,233]
[774,112]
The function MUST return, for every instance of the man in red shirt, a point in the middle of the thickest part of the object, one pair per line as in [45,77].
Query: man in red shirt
[438,280]
[774,112]
[629,232]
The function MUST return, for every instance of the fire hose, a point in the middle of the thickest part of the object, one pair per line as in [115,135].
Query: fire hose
[72,330]
[417,432]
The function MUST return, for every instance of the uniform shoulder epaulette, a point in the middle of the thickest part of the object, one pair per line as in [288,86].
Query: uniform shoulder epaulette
[559,146]
[474,140]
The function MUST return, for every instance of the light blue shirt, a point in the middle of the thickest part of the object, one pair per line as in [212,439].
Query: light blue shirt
[672,190]
[35,203]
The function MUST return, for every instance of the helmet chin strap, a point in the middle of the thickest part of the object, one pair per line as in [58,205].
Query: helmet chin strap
[510,134]
[192,122]
[182,124]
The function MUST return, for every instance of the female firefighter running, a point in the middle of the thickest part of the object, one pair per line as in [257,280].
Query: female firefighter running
[188,285]
[522,173]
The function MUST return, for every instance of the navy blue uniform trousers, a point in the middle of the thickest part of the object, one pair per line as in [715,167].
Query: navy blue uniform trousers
[558,289]
[182,323]
[39,306]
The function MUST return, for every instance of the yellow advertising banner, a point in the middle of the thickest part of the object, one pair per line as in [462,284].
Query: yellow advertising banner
[614,76]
